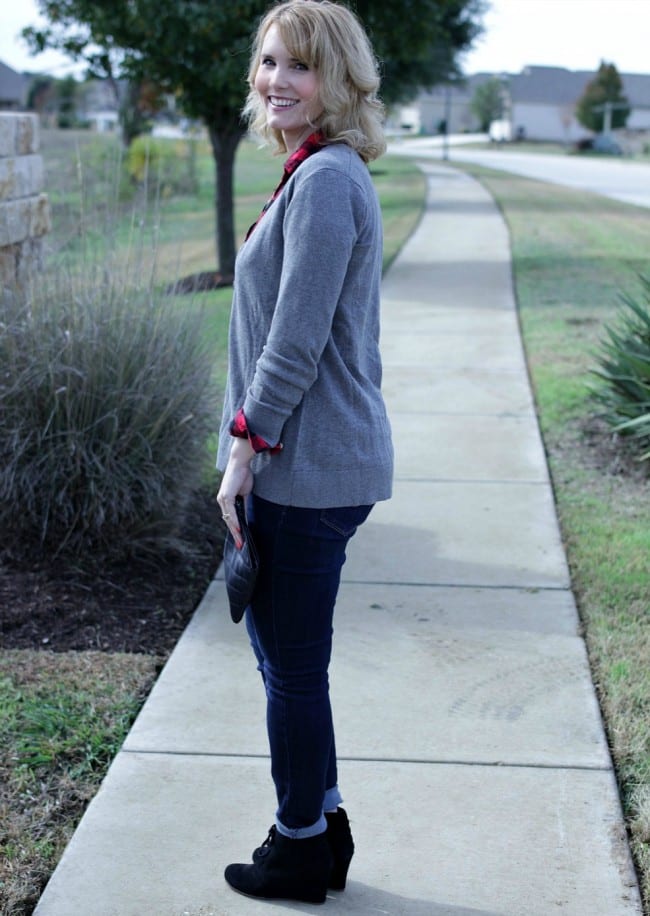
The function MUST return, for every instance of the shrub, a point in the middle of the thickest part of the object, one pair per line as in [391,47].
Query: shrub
[625,372]
[106,403]
[169,164]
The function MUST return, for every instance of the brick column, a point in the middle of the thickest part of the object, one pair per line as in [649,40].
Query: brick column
[24,208]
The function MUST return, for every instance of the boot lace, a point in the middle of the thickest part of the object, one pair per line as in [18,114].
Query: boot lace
[265,848]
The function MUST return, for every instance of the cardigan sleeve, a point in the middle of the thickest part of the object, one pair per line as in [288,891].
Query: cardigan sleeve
[323,218]
[240,429]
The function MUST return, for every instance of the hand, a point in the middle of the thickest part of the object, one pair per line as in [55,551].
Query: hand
[237,480]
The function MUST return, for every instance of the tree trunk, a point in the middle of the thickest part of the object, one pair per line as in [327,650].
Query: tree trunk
[224,146]
[132,120]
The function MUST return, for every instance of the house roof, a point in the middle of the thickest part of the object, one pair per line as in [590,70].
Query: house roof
[554,85]
[558,86]
[637,88]
[12,86]
[546,85]
[464,89]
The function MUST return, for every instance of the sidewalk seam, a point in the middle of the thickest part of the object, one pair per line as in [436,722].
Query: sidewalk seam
[416,761]
[473,480]
[473,585]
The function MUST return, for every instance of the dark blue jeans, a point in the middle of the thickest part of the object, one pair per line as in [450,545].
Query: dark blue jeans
[289,623]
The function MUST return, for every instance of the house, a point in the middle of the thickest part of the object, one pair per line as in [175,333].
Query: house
[543,101]
[97,105]
[13,89]
[539,104]
[448,105]
[637,89]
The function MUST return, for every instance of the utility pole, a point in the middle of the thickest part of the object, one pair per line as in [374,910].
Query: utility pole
[445,136]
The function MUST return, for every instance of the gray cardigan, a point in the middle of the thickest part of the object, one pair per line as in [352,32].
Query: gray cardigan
[303,345]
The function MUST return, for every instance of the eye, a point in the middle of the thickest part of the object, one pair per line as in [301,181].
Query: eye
[267,62]
[300,66]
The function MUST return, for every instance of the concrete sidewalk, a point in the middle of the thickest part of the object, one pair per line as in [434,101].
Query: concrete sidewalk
[473,760]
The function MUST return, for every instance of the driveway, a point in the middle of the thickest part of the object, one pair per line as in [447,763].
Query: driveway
[620,179]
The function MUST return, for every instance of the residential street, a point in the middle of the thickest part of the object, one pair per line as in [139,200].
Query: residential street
[612,177]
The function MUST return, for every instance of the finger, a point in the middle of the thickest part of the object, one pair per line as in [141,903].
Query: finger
[227,507]
[231,523]
[236,536]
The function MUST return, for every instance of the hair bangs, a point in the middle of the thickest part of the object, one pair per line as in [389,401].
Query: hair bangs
[300,39]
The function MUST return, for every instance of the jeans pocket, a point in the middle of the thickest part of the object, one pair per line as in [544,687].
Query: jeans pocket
[345,519]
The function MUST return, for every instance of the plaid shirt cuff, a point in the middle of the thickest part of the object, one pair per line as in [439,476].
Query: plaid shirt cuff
[240,430]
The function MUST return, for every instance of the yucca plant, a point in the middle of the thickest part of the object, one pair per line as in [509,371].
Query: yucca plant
[624,370]
[106,404]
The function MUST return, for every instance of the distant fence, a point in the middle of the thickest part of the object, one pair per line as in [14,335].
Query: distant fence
[24,208]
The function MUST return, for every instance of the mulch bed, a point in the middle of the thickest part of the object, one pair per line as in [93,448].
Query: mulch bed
[612,454]
[202,282]
[130,606]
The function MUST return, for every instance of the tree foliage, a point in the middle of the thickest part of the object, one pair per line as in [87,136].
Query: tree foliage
[487,102]
[68,88]
[41,93]
[419,41]
[199,51]
[606,87]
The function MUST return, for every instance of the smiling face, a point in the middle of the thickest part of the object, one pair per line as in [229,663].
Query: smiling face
[288,89]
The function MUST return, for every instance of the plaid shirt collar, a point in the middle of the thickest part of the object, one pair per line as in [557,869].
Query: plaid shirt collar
[311,145]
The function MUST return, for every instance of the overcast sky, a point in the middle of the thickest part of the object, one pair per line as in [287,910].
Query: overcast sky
[577,34]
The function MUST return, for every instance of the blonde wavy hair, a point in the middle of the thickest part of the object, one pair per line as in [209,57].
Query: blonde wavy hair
[329,39]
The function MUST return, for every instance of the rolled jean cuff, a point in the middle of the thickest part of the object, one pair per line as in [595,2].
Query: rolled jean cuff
[302,833]
[333,799]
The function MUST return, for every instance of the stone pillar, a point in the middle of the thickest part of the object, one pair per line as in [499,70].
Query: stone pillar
[24,208]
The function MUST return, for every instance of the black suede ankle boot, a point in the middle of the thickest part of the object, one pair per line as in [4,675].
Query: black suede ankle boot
[339,837]
[341,843]
[285,869]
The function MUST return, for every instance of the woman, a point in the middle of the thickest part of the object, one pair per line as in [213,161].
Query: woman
[305,434]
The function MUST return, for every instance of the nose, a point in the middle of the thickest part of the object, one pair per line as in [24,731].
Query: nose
[278,78]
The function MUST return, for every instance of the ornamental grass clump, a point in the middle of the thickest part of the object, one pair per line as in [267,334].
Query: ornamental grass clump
[624,370]
[106,405]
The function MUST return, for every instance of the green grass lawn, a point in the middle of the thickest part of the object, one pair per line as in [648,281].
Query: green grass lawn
[574,254]
[62,719]
[547,148]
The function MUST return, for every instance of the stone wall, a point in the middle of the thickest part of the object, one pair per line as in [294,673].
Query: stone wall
[24,208]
